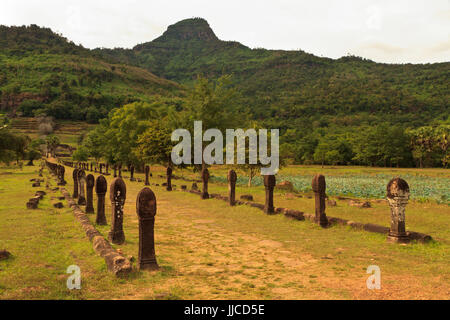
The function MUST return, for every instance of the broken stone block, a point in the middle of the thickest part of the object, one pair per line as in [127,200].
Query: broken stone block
[58,205]
[285,185]
[364,204]
[331,203]
[4,254]
[40,194]
[33,203]
[247,197]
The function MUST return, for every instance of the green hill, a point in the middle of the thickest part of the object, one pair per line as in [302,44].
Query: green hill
[294,88]
[287,89]
[41,71]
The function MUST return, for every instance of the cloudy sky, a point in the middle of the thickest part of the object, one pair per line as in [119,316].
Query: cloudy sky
[391,31]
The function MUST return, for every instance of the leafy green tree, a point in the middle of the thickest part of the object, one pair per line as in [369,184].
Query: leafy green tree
[81,154]
[52,142]
[154,144]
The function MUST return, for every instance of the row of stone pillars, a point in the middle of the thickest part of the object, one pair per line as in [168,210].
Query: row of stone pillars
[145,208]
[397,195]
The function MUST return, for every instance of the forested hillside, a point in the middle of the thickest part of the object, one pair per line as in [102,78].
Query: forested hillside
[329,111]
[43,73]
[294,88]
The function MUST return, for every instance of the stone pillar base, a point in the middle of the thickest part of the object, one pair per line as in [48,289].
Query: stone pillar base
[323,223]
[116,237]
[398,238]
[148,265]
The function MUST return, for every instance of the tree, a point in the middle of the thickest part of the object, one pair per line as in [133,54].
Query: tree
[422,143]
[52,142]
[214,102]
[81,154]
[442,138]
[154,145]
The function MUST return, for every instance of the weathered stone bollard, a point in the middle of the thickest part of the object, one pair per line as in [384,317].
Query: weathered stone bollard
[146,211]
[169,178]
[81,181]
[232,177]
[117,195]
[269,185]
[319,187]
[205,177]
[398,196]
[61,172]
[100,188]
[147,173]
[90,181]
[75,183]
[132,174]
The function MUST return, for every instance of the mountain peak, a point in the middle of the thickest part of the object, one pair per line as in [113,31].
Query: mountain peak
[189,29]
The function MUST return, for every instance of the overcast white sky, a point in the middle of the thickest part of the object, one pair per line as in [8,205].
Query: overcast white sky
[391,31]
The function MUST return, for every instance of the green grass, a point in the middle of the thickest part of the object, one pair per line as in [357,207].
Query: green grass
[208,250]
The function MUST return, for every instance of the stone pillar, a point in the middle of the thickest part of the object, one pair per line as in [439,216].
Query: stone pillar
[100,188]
[319,188]
[269,185]
[232,177]
[146,211]
[205,177]
[90,181]
[132,173]
[81,181]
[147,173]
[117,195]
[169,178]
[398,196]
[61,172]
[75,183]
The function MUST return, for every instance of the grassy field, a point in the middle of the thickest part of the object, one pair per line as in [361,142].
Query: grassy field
[208,250]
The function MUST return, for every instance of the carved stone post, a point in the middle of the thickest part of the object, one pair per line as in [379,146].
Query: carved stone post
[132,173]
[169,179]
[398,196]
[147,173]
[232,177]
[117,195]
[100,188]
[269,185]
[146,211]
[319,188]
[61,172]
[90,181]
[75,183]
[205,177]
[81,181]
